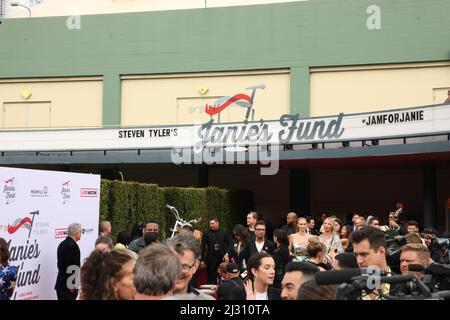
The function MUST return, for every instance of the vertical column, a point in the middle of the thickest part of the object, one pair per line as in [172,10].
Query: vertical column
[111,100]
[429,189]
[299,191]
[300,91]
[203,176]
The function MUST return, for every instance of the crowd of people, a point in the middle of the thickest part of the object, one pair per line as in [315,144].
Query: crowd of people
[244,264]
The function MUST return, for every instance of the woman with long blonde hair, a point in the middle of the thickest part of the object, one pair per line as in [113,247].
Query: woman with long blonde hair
[331,240]
[298,242]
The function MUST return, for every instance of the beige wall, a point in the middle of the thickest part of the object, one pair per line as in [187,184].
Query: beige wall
[176,100]
[75,102]
[352,90]
[68,7]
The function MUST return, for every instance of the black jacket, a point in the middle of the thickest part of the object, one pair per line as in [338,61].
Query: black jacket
[225,290]
[282,257]
[239,294]
[289,228]
[215,243]
[250,249]
[68,255]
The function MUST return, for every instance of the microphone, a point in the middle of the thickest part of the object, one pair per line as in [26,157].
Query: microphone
[416,267]
[398,279]
[340,276]
[347,275]
[336,276]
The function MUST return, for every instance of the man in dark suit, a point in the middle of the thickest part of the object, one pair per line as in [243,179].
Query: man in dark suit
[216,244]
[258,244]
[68,264]
[291,226]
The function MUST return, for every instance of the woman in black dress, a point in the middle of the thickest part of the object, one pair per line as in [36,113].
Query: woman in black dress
[240,238]
[281,255]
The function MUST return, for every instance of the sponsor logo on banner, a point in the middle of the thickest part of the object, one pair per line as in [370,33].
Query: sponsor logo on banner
[42,193]
[22,254]
[9,190]
[60,233]
[63,232]
[88,193]
[25,223]
[65,192]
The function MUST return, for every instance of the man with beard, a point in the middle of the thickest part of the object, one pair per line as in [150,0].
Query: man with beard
[216,244]
[151,234]
[291,226]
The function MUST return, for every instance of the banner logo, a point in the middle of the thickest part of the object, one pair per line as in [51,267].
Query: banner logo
[26,223]
[240,100]
[42,193]
[65,192]
[88,193]
[60,233]
[63,232]
[9,190]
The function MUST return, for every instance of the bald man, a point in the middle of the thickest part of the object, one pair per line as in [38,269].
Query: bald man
[291,226]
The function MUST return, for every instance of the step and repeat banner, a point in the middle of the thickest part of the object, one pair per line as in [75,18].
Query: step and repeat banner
[36,207]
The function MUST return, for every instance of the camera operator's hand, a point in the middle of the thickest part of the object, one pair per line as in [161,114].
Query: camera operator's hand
[249,290]
[393,224]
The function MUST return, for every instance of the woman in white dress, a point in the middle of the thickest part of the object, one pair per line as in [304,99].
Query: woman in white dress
[331,240]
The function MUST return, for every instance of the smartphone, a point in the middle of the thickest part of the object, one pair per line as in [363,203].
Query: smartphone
[243,275]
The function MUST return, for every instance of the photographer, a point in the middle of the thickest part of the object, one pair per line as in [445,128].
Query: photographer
[414,253]
[394,219]
[436,253]
[411,253]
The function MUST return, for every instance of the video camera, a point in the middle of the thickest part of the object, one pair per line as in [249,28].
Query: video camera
[353,284]
[436,275]
[394,244]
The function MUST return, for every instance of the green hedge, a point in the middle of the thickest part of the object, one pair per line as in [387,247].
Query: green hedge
[126,203]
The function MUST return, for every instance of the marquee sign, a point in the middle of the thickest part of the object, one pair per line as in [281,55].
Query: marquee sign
[289,129]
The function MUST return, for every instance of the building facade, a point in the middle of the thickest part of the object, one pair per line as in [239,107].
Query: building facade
[159,69]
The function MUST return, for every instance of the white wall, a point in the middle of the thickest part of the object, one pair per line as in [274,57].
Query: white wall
[9,11]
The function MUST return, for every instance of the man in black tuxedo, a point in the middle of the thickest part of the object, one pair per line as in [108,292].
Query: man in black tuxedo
[258,244]
[69,264]
[216,244]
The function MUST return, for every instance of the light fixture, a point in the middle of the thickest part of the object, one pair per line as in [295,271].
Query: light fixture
[203,89]
[26,94]
[17,4]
